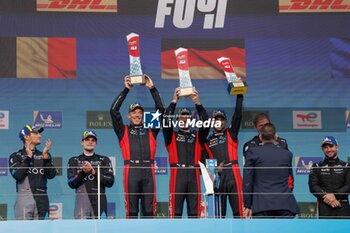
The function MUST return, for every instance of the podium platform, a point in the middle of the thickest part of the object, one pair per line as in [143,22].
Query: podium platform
[177,226]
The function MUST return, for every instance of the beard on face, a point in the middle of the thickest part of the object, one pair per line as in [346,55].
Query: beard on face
[332,156]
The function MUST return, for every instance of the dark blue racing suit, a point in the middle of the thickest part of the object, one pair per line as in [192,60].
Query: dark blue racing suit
[31,176]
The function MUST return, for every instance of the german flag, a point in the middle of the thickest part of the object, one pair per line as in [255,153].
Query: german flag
[202,57]
[38,57]
[340,57]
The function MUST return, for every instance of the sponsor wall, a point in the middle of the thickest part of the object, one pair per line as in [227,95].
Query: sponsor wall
[77,55]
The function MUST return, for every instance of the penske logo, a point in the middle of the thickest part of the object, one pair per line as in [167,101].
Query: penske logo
[313,6]
[77,5]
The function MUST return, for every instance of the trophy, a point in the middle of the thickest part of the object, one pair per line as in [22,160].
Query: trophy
[186,88]
[136,75]
[235,85]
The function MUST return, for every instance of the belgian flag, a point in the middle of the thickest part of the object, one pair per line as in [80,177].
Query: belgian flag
[202,57]
[38,57]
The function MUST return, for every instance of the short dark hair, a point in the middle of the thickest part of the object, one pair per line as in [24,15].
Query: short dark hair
[268,132]
[259,117]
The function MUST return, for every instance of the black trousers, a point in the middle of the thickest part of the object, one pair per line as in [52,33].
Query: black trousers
[184,186]
[139,186]
[326,211]
[274,214]
[230,187]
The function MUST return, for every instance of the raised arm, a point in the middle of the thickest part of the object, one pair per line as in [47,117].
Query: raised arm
[159,106]
[203,116]
[117,119]
[168,131]
[236,118]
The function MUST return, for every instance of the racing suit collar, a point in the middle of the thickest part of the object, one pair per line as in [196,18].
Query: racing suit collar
[139,127]
[88,155]
[219,133]
[331,160]
[189,131]
[24,150]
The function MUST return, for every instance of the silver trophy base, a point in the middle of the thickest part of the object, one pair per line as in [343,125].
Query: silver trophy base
[186,92]
[138,79]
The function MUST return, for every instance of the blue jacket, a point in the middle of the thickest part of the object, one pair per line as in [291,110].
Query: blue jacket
[265,179]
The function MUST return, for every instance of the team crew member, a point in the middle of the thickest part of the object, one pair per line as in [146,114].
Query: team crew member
[222,145]
[259,121]
[138,146]
[184,148]
[82,176]
[329,182]
[31,168]
[265,179]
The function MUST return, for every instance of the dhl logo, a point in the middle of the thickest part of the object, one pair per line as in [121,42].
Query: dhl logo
[77,5]
[313,6]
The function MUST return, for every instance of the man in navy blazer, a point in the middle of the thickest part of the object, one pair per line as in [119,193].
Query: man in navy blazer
[265,179]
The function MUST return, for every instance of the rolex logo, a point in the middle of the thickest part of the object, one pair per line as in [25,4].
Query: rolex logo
[98,120]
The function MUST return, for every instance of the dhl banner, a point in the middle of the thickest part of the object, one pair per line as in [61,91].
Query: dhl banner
[77,5]
[313,6]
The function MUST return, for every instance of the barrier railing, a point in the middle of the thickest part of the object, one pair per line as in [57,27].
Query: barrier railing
[63,198]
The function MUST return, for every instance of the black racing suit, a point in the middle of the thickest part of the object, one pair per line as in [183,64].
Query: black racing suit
[331,176]
[138,147]
[85,185]
[223,147]
[185,149]
[31,176]
[280,142]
